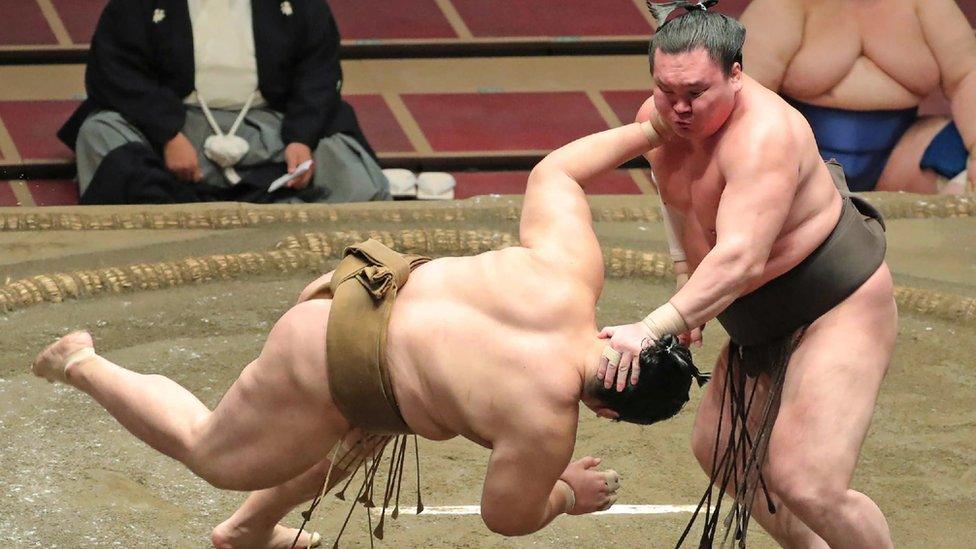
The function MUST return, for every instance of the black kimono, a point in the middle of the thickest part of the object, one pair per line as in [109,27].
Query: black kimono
[142,65]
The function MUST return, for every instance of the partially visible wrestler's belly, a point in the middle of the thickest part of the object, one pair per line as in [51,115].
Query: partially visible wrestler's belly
[413,397]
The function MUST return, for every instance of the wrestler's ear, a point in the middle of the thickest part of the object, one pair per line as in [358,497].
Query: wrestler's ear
[735,76]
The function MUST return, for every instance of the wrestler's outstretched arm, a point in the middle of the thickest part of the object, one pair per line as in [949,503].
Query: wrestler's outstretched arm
[761,181]
[951,38]
[530,480]
[775,32]
[556,219]
[674,233]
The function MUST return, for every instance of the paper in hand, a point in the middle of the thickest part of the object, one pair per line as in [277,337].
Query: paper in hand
[289,177]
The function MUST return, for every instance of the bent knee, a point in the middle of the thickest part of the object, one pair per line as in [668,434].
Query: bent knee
[215,469]
[703,445]
[223,478]
[806,495]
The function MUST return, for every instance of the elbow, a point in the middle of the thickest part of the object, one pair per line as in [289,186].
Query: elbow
[510,530]
[543,170]
[504,524]
[743,265]
[751,270]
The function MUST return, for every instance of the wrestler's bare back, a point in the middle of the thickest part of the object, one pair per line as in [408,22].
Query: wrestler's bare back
[876,45]
[692,179]
[489,346]
[477,343]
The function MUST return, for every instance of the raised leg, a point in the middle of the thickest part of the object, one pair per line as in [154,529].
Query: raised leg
[279,406]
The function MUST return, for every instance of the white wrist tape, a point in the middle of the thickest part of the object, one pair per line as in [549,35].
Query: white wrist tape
[568,494]
[656,130]
[665,320]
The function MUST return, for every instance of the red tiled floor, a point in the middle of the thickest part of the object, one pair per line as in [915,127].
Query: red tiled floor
[380,126]
[7,198]
[54,192]
[23,23]
[504,121]
[552,18]
[481,183]
[33,126]
[379,19]
[626,103]
[80,17]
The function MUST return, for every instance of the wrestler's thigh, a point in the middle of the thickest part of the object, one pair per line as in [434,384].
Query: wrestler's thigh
[902,172]
[830,390]
[278,419]
[704,432]
[715,404]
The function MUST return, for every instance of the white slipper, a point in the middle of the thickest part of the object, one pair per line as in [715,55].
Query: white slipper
[403,183]
[435,186]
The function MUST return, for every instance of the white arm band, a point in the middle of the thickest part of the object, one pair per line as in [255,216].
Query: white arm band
[656,130]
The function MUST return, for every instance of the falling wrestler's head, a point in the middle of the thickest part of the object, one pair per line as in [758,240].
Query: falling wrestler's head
[662,387]
[696,62]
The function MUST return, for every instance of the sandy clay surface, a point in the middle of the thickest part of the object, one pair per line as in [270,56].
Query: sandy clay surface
[71,477]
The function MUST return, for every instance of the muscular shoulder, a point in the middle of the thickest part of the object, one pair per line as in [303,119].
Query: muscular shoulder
[765,131]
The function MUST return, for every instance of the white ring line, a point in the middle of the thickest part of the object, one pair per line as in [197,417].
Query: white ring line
[615,510]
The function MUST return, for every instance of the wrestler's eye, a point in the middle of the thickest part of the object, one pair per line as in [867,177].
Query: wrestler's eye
[697,93]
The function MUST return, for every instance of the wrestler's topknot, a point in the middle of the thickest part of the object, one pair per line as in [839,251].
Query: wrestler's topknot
[720,35]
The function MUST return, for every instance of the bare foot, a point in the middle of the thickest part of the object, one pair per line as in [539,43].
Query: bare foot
[54,362]
[227,536]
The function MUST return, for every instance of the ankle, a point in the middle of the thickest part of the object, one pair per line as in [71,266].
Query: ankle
[75,369]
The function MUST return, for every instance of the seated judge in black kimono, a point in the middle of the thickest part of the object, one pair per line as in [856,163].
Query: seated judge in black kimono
[203,100]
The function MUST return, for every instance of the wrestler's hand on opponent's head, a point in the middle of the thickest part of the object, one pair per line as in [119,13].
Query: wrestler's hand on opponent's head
[594,490]
[692,337]
[627,341]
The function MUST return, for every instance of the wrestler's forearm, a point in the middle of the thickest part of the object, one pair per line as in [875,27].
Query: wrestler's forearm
[593,155]
[722,276]
[560,501]
[963,104]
